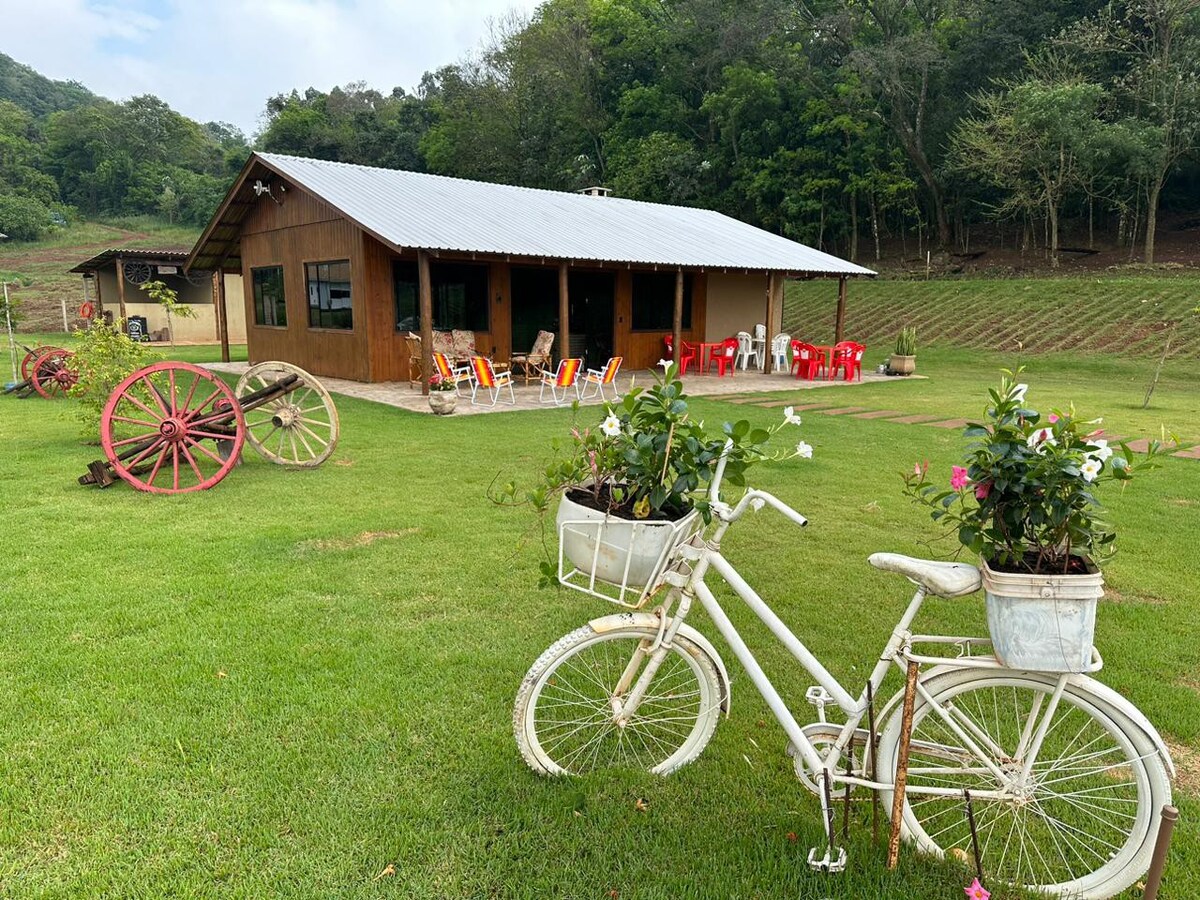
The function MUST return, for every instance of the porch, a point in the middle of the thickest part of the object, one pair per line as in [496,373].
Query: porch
[740,388]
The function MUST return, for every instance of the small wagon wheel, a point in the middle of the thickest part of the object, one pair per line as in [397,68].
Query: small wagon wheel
[52,374]
[172,428]
[296,428]
[31,357]
[137,272]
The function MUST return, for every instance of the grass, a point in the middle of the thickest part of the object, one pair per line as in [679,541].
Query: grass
[302,680]
[1125,315]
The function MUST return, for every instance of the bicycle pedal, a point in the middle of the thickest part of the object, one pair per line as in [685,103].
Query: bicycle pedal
[818,697]
[833,861]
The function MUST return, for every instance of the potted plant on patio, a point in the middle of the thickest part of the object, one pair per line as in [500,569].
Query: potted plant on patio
[1025,501]
[443,398]
[904,360]
[634,483]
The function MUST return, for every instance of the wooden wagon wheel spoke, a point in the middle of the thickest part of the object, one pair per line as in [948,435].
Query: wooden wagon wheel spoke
[301,402]
[174,437]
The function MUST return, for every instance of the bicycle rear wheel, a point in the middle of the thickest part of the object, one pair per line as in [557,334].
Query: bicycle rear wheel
[1081,825]
[564,721]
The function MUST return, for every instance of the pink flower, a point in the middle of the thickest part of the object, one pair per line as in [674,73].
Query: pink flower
[982,490]
[958,478]
[919,469]
[1053,418]
[977,891]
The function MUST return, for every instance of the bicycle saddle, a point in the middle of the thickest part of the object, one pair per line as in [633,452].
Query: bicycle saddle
[944,579]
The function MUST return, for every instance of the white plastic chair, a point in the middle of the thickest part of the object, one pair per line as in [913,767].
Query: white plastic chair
[779,352]
[758,344]
[746,350]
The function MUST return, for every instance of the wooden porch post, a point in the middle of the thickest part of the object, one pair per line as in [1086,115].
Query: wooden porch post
[120,286]
[839,326]
[564,312]
[677,320]
[99,299]
[769,363]
[222,313]
[425,300]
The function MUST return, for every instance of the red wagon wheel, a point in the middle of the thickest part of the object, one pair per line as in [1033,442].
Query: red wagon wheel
[172,428]
[52,374]
[31,357]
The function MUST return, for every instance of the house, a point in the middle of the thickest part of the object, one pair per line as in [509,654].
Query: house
[112,281]
[340,262]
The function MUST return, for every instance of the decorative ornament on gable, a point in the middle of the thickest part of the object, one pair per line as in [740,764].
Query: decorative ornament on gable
[264,187]
[137,272]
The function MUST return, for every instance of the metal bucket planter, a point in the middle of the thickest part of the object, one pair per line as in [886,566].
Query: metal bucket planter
[1042,623]
[626,553]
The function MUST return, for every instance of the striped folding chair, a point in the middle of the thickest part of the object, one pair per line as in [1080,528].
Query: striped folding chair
[489,379]
[562,380]
[598,378]
[449,372]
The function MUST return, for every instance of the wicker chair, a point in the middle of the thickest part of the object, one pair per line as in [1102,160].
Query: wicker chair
[529,365]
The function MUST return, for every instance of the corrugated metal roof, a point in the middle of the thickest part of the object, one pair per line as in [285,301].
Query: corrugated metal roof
[100,260]
[434,212]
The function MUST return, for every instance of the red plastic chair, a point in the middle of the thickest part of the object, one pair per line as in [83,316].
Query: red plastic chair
[856,362]
[807,360]
[688,355]
[723,355]
[842,359]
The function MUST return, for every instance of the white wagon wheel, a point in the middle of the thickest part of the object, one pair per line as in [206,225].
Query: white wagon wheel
[297,428]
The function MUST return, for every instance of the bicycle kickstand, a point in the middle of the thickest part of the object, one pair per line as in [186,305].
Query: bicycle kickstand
[834,858]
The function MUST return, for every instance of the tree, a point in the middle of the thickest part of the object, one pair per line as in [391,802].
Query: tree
[169,301]
[1037,140]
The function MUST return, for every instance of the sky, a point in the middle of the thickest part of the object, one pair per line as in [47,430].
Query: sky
[219,60]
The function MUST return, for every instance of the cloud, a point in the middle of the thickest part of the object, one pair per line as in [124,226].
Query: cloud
[222,59]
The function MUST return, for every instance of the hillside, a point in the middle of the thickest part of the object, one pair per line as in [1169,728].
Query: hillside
[41,268]
[35,93]
[1108,312]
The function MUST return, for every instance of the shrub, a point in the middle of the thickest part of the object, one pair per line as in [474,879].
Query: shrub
[104,357]
[906,342]
[22,218]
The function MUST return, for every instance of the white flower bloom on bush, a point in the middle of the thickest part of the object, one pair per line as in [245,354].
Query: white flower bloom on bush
[1103,452]
[611,426]
[1041,439]
[1018,392]
[1091,469]
[790,417]
[804,450]
[665,363]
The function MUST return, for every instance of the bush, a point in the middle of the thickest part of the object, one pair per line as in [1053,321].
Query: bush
[104,357]
[22,218]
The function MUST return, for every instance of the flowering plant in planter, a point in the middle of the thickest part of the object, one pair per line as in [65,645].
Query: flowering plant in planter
[649,458]
[1025,496]
[438,383]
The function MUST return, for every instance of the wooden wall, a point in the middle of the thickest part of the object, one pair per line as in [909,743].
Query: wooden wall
[643,349]
[305,230]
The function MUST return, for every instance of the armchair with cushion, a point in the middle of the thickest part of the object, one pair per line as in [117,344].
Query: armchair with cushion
[530,365]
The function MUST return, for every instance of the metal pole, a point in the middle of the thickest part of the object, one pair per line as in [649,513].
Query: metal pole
[12,346]
[1170,815]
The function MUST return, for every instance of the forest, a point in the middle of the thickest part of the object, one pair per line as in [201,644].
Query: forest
[845,124]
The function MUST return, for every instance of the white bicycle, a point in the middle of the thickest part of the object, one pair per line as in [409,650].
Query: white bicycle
[1066,777]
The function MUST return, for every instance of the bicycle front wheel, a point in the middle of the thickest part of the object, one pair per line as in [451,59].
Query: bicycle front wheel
[1080,825]
[564,719]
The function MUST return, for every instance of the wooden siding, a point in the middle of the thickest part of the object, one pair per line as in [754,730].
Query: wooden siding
[643,349]
[305,230]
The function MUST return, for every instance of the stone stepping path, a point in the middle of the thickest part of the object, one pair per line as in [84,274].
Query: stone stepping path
[1141,445]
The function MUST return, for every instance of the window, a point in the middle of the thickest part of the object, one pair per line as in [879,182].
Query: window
[269,306]
[460,296]
[654,301]
[329,303]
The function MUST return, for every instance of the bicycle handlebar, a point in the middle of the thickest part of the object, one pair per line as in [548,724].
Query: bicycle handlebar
[731,514]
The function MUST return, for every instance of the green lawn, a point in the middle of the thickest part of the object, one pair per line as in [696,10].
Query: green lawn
[285,685]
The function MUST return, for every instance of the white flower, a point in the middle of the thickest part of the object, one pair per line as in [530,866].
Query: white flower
[1041,439]
[1018,393]
[1102,452]
[665,363]
[611,426]
[790,417]
[804,450]
[1091,469]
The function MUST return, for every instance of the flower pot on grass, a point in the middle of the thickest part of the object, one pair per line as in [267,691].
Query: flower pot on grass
[902,365]
[1043,623]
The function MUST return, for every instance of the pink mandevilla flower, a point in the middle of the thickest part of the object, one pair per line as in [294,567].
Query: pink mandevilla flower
[982,490]
[1053,418]
[958,478]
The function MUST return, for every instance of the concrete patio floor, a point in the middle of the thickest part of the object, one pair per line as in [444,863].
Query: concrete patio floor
[402,396]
